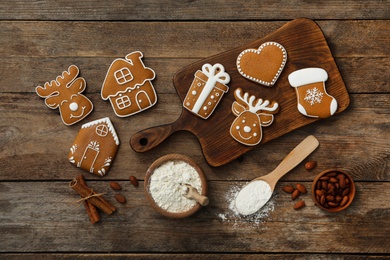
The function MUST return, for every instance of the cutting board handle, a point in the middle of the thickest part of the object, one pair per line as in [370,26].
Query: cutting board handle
[147,139]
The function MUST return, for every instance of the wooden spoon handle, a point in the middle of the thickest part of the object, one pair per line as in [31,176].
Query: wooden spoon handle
[203,200]
[149,138]
[297,155]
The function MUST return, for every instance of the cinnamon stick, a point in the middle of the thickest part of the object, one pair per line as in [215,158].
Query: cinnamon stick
[89,207]
[92,197]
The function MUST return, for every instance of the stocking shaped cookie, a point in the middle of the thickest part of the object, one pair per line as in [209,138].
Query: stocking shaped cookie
[313,100]
[252,113]
[65,93]
[128,85]
[95,147]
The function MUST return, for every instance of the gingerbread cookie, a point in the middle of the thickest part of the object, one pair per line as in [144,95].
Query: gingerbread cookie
[65,93]
[206,90]
[262,65]
[95,147]
[313,100]
[252,113]
[128,85]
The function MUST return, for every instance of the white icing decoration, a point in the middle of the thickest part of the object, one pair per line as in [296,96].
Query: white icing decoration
[194,92]
[73,106]
[215,73]
[333,106]
[109,125]
[307,76]
[313,96]
[247,129]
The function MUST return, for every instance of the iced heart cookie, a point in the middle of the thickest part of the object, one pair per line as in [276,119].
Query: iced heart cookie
[313,100]
[206,90]
[65,93]
[263,65]
[95,147]
[128,85]
[252,113]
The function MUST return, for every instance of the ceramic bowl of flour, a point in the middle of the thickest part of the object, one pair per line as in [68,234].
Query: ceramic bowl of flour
[165,185]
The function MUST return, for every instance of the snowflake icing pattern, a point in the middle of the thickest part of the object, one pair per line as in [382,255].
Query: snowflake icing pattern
[313,96]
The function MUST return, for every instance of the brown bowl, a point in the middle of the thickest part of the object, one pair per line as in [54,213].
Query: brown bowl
[330,192]
[161,161]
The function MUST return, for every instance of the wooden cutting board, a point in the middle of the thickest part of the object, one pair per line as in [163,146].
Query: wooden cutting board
[306,46]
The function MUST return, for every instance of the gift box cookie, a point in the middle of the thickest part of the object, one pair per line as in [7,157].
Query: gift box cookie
[128,85]
[207,89]
[95,147]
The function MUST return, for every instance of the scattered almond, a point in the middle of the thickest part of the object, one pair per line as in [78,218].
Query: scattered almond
[300,204]
[295,194]
[120,198]
[115,186]
[301,188]
[310,165]
[133,181]
[288,189]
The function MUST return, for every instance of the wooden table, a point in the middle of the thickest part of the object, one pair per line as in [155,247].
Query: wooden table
[39,39]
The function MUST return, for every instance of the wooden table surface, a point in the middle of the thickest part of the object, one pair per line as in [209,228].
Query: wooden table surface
[39,39]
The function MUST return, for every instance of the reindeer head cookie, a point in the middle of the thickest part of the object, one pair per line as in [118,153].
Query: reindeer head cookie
[251,114]
[65,93]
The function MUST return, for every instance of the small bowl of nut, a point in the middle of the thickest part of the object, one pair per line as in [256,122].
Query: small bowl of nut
[333,190]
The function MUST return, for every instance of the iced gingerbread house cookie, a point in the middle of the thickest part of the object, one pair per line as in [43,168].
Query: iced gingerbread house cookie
[262,65]
[95,147]
[65,93]
[128,85]
[313,100]
[252,114]
[207,89]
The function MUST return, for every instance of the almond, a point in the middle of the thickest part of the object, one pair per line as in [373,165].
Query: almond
[133,181]
[344,201]
[120,198]
[288,189]
[301,188]
[115,186]
[300,204]
[310,165]
[295,194]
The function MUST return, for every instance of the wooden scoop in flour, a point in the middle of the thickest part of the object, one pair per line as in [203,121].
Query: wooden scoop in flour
[256,193]
[192,193]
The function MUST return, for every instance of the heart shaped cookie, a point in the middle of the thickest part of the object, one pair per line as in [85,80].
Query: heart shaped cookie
[263,65]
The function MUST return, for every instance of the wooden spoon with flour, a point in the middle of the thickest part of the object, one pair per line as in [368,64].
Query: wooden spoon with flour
[256,194]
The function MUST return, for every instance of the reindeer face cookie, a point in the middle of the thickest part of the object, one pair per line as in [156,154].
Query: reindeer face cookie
[65,93]
[128,85]
[251,114]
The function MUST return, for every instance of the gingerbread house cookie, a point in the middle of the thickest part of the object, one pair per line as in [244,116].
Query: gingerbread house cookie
[95,147]
[65,93]
[262,65]
[313,100]
[252,114]
[128,85]
[206,90]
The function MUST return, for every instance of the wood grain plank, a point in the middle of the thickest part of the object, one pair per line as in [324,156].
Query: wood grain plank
[23,74]
[35,143]
[38,217]
[191,10]
[62,39]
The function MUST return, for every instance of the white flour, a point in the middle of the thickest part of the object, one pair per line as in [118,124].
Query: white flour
[253,197]
[167,186]
[232,216]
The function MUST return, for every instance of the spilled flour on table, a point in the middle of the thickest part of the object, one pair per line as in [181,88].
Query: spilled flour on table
[232,216]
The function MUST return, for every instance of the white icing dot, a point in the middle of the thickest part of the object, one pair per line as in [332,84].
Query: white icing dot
[193,92]
[188,103]
[255,134]
[255,125]
[238,127]
[139,101]
[212,97]
[243,121]
[247,129]
[205,108]
[209,103]
[199,84]
[73,106]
